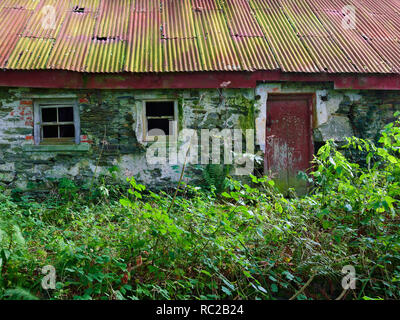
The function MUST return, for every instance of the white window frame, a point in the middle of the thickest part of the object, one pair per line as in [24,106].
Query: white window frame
[40,104]
[175,129]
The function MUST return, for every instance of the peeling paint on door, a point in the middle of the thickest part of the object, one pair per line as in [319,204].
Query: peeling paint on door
[288,140]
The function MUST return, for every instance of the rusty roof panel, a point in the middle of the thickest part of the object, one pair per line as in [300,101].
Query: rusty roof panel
[356,47]
[375,25]
[205,4]
[113,19]
[105,56]
[323,49]
[146,5]
[19,4]
[255,53]
[290,52]
[43,24]
[303,19]
[241,19]
[216,46]
[30,53]
[86,5]
[393,4]
[144,49]
[72,45]
[390,51]
[373,6]
[177,19]
[12,22]
[181,55]
[200,35]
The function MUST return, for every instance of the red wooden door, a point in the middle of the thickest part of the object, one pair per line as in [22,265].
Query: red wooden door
[288,146]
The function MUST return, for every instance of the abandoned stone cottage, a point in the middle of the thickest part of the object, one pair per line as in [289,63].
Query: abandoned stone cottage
[83,83]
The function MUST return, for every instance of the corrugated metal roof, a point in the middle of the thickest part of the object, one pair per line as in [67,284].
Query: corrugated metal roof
[114,36]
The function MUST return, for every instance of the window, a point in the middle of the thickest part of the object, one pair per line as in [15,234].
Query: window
[56,122]
[160,117]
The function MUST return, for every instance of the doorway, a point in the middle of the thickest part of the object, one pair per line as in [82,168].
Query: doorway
[288,145]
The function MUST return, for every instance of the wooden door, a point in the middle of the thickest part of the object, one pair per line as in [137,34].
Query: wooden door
[288,146]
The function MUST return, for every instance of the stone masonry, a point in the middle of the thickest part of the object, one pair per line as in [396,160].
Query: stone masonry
[111,125]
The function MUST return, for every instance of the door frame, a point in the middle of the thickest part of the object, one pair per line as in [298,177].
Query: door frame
[311,99]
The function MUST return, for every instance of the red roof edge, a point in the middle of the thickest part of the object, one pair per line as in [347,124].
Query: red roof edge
[197,80]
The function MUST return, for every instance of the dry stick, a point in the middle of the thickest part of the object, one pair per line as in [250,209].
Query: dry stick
[98,160]
[304,287]
[342,294]
[180,180]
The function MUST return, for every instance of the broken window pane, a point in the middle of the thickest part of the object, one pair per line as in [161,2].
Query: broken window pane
[161,124]
[160,109]
[66,114]
[160,115]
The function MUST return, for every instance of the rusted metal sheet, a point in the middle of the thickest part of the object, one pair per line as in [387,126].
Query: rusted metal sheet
[181,55]
[22,4]
[144,52]
[72,45]
[255,53]
[380,26]
[39,26]
[324,51]
[12,22]
[362,55]
[290,52]
[177,19]
[113,20]
[112,36]
[30,54]
[241,19]
[105,56]
[216,46]
[87,5]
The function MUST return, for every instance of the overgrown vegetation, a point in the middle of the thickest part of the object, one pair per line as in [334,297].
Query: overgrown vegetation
[248,242]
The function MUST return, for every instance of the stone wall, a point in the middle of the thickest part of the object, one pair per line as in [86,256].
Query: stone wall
[111,125]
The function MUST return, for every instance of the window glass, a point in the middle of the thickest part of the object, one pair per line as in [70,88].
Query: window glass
[49,115]
[65,114]
[50,132]
[57,124]
[67,131]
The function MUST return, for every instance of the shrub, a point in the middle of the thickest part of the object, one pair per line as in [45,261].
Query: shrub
[248,243]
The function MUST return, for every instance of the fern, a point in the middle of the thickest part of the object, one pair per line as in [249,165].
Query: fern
[19,294]
[215,177]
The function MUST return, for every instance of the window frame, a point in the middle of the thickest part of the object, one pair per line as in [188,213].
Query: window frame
[40,104]
[175,128]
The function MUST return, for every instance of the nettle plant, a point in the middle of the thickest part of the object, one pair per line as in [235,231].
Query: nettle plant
[350,187]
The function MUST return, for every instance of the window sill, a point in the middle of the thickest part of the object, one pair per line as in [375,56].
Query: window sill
[85,147]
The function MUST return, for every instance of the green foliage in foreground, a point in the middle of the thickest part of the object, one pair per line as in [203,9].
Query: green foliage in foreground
[247,243]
